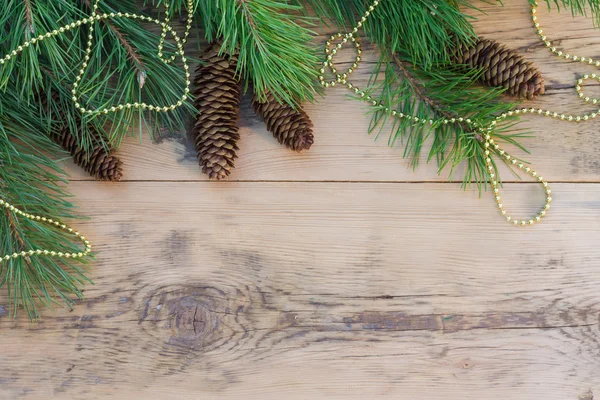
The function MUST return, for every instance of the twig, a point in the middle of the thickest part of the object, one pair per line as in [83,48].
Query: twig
[28,18]
[133,55]
[28,12]
[128,47]
[13,227]
[421,93]
[244,4]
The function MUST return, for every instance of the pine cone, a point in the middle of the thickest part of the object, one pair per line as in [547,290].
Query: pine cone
[290,127]
[98,162]
[217,98]
[502,67]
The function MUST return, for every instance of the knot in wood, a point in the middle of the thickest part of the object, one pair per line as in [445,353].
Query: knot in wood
[198,318]
[191,320]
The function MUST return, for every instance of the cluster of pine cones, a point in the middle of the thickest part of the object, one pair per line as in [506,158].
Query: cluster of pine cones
[217,95]
[215,133]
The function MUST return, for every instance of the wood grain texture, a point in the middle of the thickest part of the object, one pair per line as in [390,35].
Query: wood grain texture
[321,290]
[338,273]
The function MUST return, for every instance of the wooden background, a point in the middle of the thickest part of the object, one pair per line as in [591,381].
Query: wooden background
[339,273]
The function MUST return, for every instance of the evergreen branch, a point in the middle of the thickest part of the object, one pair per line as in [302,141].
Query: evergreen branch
[15,230]
[28,11]
[19,238]
[248,15]
[421,93]
[577,7]
[273,43]
[28,18]
[133,55]
[31,181]
[445,92]
[424,29]
[123,59]
[28,178]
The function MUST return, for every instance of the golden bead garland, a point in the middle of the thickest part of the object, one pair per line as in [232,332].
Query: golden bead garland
[489,146]
[51,222]
[93,17]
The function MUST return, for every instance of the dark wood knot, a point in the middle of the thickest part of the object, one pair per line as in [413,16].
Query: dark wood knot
[191,321]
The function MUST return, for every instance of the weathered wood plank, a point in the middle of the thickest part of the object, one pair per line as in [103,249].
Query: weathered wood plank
[343,150]
[334,290]
[321,290]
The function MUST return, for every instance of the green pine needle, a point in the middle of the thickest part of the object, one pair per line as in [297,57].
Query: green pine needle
[576,7]
[33,182]
[273,41]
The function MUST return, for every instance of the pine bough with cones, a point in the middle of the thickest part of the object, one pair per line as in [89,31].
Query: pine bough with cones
[217,96]
[429,70]
[219,89]
[217,99]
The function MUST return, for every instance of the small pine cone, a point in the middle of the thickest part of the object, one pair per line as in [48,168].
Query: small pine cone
[98,162]
[217,96]
[290,127]
[502,67]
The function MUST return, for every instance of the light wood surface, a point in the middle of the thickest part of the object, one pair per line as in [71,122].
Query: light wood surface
[339,273]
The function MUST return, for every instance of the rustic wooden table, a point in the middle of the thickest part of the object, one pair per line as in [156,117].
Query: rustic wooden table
[338,273]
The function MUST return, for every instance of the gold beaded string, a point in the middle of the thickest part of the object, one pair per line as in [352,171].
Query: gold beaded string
[95,16]
[51,222]
[166,27]
[488,143]
[165,30]
[574,58]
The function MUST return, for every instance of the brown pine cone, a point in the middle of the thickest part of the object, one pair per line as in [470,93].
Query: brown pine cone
[98,161]
[502,67]
[289,126]
[217,95]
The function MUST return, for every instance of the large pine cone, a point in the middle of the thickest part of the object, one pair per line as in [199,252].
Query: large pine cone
[217,94]
[502,67]
[98,162]
[290,127]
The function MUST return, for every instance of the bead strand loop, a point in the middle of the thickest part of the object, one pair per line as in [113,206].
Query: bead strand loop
[488,144]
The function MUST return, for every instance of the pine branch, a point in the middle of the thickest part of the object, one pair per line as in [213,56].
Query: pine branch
[123,59]
[423,29]
[19,238]
[415,77]
[577,7]
[273,41]
[31,181]
[133,55]
[419,90]
[16,233]
[28,18]
[446,92]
